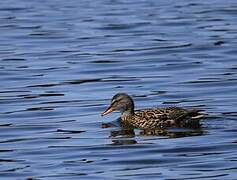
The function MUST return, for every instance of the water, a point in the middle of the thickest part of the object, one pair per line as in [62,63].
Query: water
[61,61]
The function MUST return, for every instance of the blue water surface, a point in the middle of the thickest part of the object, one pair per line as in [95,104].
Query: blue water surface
[62,61]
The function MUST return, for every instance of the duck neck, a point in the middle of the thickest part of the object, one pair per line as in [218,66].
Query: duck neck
[128,109]
[127,113]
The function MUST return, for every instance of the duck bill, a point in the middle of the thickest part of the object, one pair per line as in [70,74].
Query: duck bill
[107,111]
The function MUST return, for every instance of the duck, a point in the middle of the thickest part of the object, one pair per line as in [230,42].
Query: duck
[153,118]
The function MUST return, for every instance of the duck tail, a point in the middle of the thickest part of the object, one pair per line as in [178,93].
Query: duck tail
[191,119]
[196,114]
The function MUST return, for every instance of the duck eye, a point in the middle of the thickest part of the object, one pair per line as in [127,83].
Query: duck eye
[114,101]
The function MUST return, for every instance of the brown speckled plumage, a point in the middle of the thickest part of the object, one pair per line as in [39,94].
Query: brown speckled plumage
[163,117]
[153,118]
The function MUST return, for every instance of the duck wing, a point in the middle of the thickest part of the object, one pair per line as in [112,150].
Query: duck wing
[167,117]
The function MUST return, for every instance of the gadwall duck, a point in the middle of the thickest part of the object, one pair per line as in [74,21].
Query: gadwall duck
[153,118]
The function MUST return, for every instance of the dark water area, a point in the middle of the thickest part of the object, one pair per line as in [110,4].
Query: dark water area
[62,61]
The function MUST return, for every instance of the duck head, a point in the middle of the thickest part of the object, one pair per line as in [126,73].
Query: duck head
[121,102]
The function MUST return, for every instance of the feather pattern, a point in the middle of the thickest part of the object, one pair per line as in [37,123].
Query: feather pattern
[163,117]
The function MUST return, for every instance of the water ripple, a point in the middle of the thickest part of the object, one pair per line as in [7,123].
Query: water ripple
[62,61]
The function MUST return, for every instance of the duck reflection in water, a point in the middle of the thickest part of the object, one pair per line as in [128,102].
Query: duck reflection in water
[158,121]
[126,131]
